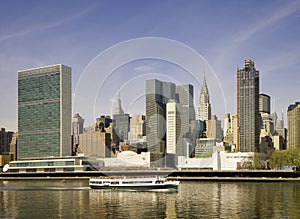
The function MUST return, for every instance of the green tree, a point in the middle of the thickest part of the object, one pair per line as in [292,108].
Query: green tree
[285,158]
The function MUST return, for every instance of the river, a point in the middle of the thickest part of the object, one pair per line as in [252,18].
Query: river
[197,199]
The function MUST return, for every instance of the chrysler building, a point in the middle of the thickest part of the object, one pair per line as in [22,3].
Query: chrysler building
[204,108]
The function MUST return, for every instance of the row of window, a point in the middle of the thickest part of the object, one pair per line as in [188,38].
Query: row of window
[39,116]
[34,170]
[40,87]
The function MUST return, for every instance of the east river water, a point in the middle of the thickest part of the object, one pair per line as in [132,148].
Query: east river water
[197,199]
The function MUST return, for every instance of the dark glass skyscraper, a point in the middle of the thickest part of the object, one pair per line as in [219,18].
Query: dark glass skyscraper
[248,107]
[44,112]
[158,94]
[180,114]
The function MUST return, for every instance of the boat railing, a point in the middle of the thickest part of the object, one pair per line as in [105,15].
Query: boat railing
[130,177]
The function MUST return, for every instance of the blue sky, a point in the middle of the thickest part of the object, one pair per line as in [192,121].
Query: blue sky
[224,33]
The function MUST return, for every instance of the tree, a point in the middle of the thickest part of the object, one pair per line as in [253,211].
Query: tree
[285,158]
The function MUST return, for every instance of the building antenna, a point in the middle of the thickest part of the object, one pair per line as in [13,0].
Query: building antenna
[282,118]
[274,100]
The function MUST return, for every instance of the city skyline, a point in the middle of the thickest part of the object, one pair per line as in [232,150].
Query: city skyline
[224,33]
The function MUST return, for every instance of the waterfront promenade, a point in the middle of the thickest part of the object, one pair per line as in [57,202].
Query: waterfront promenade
[183,175]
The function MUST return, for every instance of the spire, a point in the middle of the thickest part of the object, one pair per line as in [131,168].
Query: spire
[119,110]
[204,90]
[282,118]
[204,108]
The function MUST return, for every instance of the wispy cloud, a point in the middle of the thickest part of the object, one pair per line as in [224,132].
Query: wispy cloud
[269,20]
[144,68]
[43,27]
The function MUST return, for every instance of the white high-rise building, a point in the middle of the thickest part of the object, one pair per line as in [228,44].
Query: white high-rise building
[173,127]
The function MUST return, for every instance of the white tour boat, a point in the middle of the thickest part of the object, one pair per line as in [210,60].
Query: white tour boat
[133,183]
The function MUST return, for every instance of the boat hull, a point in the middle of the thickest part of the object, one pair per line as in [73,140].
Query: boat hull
[133,183]
[173,186]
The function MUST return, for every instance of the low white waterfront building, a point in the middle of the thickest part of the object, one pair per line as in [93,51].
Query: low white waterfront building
[220,160]
[127,159]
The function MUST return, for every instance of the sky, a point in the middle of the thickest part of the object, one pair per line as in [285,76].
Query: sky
[114,46]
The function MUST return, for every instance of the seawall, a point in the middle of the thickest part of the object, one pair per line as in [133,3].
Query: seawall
[183,175]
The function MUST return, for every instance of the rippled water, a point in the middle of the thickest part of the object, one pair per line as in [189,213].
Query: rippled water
[74,199]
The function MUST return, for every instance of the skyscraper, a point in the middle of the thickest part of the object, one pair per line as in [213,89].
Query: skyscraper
[77,129]
[44,112]
[137,128]
[264,103]
[121,121]
[5,140]
[214,129]
[231,130]
[185,96]
[204,107]
[158,94]
[173,127]
[267,123]
[294,126]
[248,107]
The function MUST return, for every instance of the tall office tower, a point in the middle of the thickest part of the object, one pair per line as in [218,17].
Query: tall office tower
[278,123]
[106,124]
[214,129]
[121,121]
[5,140]
[226,124]
[13,146]
[102,122]
[264,103]
[267,123]
[137,128]
[185,97]
[77,129]
[280,135]
[248,107]
[175,146]
[293,114]
[173,127]
[44,112]
[158,94]
[95,143]
[204,108]
[231,134]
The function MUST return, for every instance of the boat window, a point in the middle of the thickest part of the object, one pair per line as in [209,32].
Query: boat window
[136,182]
[31,170]
[68,169]
[114,183]
[49,170]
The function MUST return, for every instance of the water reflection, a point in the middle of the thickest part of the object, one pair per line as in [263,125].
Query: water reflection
[74,199]
[134,204]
